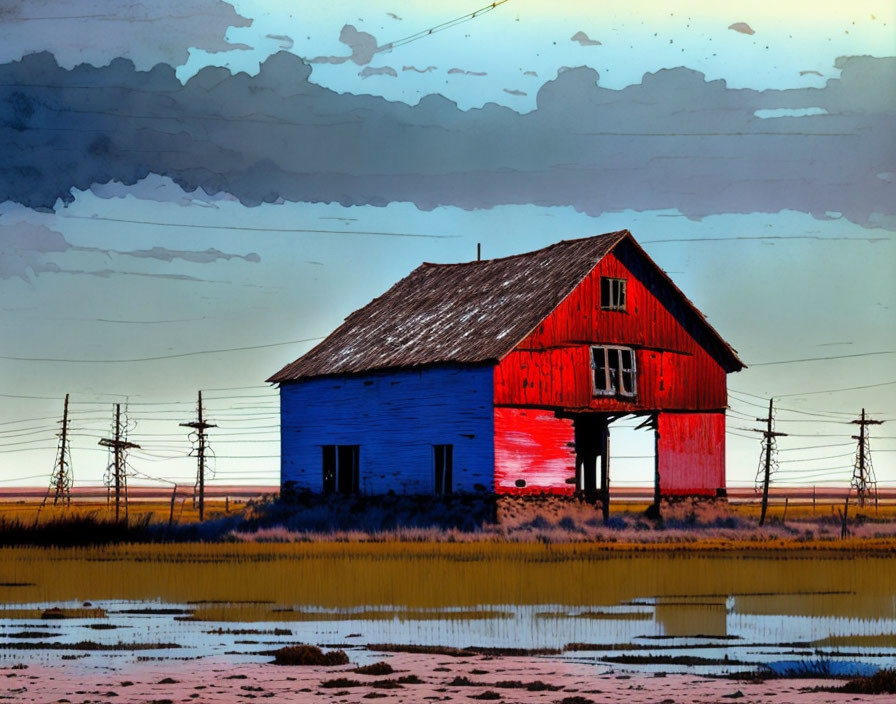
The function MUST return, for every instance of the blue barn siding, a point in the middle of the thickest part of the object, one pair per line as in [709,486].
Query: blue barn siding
[396,418]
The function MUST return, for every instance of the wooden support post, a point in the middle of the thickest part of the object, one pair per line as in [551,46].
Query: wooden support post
[844,516]
[769,436]
[200,426]
[119,445]
[605,469]
[657,492]
[171,510]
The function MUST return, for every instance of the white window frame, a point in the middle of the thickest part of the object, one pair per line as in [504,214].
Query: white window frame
[618,293]
[611,379]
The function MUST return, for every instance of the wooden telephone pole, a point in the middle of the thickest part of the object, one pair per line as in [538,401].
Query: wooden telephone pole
[119,445]
[200,426]
[62,478]
[769,436]
[863,480]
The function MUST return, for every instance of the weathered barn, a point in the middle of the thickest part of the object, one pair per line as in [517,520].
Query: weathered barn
[505,374]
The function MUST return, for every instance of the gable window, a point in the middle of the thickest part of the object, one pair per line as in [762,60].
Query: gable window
[613,370]
[442,469]
[340,468]
[612,293]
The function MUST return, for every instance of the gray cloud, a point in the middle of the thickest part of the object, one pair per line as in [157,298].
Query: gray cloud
[160,189]
[286,42]
[741,27]
[514,91]
[108,273]
[368,71]
[362,44]
[207,256]
[24,247]
[146,33]
[419,70]
[673,141]
[584,39]
[394,16]
[467,73]
[810,73]
[530,73]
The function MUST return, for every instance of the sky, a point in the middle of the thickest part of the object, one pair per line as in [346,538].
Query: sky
[194,193]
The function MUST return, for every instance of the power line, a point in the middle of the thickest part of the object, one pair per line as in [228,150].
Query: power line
[821,359]
[167,356]
[153,223]
[848,388]
[439,27]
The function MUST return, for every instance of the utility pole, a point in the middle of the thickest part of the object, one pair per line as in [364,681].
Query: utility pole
[765,463]
[200,426]
[62,477]
[863,480]
[119,445]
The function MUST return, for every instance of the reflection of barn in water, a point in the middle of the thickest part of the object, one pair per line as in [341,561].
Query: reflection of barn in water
[506,374]
[691,617]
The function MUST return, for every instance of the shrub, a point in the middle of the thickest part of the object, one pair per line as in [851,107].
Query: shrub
[377,668]
[882,682]
[309,655]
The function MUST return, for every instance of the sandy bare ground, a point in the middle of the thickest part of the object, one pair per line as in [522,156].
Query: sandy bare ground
[210,680]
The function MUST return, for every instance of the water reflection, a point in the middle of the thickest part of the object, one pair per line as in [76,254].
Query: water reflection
[700,613]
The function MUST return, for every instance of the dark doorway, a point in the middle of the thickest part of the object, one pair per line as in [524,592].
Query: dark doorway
[592,440]
[340,469]
[442,468]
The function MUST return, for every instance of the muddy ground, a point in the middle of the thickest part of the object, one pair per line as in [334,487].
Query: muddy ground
[441,679]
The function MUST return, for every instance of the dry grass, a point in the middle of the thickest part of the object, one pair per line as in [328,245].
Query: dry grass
[420,576]
[686,525]
[31,511]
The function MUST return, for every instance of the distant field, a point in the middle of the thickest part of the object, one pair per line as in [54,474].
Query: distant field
[158,511]
[26,504]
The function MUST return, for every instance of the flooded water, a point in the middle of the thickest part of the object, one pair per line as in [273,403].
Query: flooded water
[705,614]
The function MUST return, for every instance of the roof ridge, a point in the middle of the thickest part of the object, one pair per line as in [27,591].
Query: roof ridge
[554,245]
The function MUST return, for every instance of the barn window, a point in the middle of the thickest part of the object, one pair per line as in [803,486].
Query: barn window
[612,293]
[340,469]
[443,457]
[613,371]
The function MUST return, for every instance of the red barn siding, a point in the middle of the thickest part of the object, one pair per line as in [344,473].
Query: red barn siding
[691,453]
[535,446]
[551,367]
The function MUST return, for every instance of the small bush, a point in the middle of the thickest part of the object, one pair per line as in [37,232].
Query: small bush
[340,683]
[882,682]
[309,655]
[377,668]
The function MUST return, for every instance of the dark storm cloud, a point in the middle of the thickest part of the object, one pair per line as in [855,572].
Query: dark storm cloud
[673,141]
[146,33]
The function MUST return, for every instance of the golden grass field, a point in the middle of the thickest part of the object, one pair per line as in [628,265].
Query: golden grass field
[159,511]
[186,512]
[255,578]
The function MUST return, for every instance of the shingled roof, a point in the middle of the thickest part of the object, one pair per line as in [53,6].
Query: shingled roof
[474,312]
